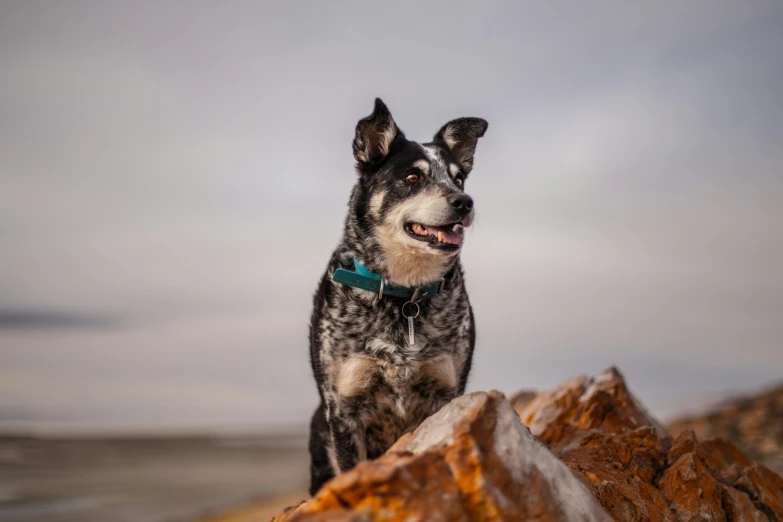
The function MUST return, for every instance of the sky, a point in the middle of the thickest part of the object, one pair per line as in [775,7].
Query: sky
[174,177]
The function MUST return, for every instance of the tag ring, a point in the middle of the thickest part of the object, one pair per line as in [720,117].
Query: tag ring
[410,316]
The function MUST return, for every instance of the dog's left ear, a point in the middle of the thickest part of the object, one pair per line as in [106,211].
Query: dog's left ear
[375,135]
[460,137]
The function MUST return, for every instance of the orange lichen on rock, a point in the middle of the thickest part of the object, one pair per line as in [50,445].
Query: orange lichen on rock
[590,452]
[635,469]
[473,460]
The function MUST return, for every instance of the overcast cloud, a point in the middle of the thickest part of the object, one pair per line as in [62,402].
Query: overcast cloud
[173,178]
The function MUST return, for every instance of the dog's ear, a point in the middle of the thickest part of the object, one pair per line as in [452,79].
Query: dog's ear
[375,135]
[460,137]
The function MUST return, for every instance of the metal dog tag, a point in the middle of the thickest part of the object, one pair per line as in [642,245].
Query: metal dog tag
[410,314]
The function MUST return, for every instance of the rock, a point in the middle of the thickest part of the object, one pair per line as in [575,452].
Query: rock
[765,488]
[602,403]
[684,443]
[691,490]
[739,507]
[620,471]
[753,424]
[335,516]
[473,460]
[488,448]
[521,398]
[635,469]
[599,429]
[590,452]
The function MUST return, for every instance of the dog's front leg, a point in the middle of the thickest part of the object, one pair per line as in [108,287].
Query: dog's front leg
[345,435]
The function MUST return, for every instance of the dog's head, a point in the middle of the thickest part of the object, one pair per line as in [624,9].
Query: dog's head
[410,208]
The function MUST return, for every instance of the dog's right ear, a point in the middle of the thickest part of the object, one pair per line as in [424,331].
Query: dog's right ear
[375,135]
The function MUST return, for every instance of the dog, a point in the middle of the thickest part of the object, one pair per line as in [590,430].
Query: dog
[392,330]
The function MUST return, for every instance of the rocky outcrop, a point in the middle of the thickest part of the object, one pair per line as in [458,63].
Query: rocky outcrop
[584,451]
[473,460]
[634,468]
[754,424]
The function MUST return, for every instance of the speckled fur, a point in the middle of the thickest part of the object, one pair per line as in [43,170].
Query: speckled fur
[373,385]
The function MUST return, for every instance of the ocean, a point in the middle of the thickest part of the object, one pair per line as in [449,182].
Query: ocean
[144,479]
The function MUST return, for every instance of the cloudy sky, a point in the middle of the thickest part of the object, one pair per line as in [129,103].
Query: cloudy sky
[173,179]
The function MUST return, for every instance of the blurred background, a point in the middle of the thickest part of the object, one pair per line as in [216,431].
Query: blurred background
[174,176]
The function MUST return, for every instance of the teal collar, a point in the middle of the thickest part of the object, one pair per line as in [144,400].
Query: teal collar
[366,280]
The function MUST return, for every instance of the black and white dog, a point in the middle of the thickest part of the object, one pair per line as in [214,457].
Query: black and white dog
[392,331]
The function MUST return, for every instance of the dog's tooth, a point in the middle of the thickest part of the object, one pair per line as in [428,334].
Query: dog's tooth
[459,229]
[440,236]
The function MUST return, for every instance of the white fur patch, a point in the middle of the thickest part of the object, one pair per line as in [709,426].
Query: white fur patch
[453,169]
[433,154]
[381,139]
[387,137]
[422,165]
[447,137]
[399,405]
[376,346]
[438,168]
[355,376]
[441,370]
[330,453]
[376,202]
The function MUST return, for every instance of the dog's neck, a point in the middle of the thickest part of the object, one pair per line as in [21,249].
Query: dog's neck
[408,267]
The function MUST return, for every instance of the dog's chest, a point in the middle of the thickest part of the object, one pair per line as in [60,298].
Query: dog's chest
[384,366]
[390,393]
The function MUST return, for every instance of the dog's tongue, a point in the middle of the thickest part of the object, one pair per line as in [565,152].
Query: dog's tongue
[447,235]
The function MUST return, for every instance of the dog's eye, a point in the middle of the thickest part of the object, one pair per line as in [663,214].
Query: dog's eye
[459,182]
[412,178]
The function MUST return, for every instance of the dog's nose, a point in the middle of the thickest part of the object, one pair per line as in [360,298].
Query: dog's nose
[462,203]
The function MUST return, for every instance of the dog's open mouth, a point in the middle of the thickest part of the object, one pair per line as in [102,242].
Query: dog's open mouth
[446,237]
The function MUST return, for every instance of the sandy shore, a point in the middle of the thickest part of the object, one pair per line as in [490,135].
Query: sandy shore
[260,511]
